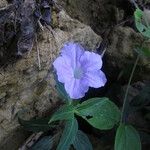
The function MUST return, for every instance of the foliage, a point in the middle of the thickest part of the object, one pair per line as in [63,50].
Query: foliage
[143,51]
[44,143]
[66,112]
[82,142]
[101,113]
[35,125]
[68,135]
[142,23]
[127,138]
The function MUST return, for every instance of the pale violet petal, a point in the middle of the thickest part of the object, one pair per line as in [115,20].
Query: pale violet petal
[76,88]
[73,51]
[95,79]
[63,69]
[91,61]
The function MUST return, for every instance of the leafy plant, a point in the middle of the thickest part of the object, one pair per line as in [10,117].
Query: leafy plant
[35,125]
[44,143]
[82,142]
[100,112]
[142,23]
[143,51]
[127,138]
[68,135]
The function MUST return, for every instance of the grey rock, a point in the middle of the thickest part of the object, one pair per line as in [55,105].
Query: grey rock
[99,14]
[121,52]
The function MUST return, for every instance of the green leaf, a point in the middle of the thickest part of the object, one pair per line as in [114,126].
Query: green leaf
[127,138]
[141,23]
[61,90]
[64,113]
[101,113]
[35,125]
[68,135]
[143,51]
[82,142]
[138,14]
[45,143]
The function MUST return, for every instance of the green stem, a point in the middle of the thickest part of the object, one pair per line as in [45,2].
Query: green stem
[125,101]
[70,101]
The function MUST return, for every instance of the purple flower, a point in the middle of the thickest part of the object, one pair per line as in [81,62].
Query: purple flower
[78,70]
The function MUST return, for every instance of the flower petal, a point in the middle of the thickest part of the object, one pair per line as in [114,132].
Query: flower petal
[96,79]
[63,69]
[91,61]
[73,51]
[76,88]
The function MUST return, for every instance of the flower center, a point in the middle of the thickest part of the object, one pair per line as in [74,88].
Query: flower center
[78,73]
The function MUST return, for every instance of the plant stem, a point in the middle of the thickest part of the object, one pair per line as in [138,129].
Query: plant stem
[125,101]
[70,102]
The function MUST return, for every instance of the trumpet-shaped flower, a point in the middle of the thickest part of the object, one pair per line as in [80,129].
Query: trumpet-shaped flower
[78,70]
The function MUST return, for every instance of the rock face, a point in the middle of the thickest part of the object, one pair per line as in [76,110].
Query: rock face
[99,14]
[121,52]
[3,3]
[24,86]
